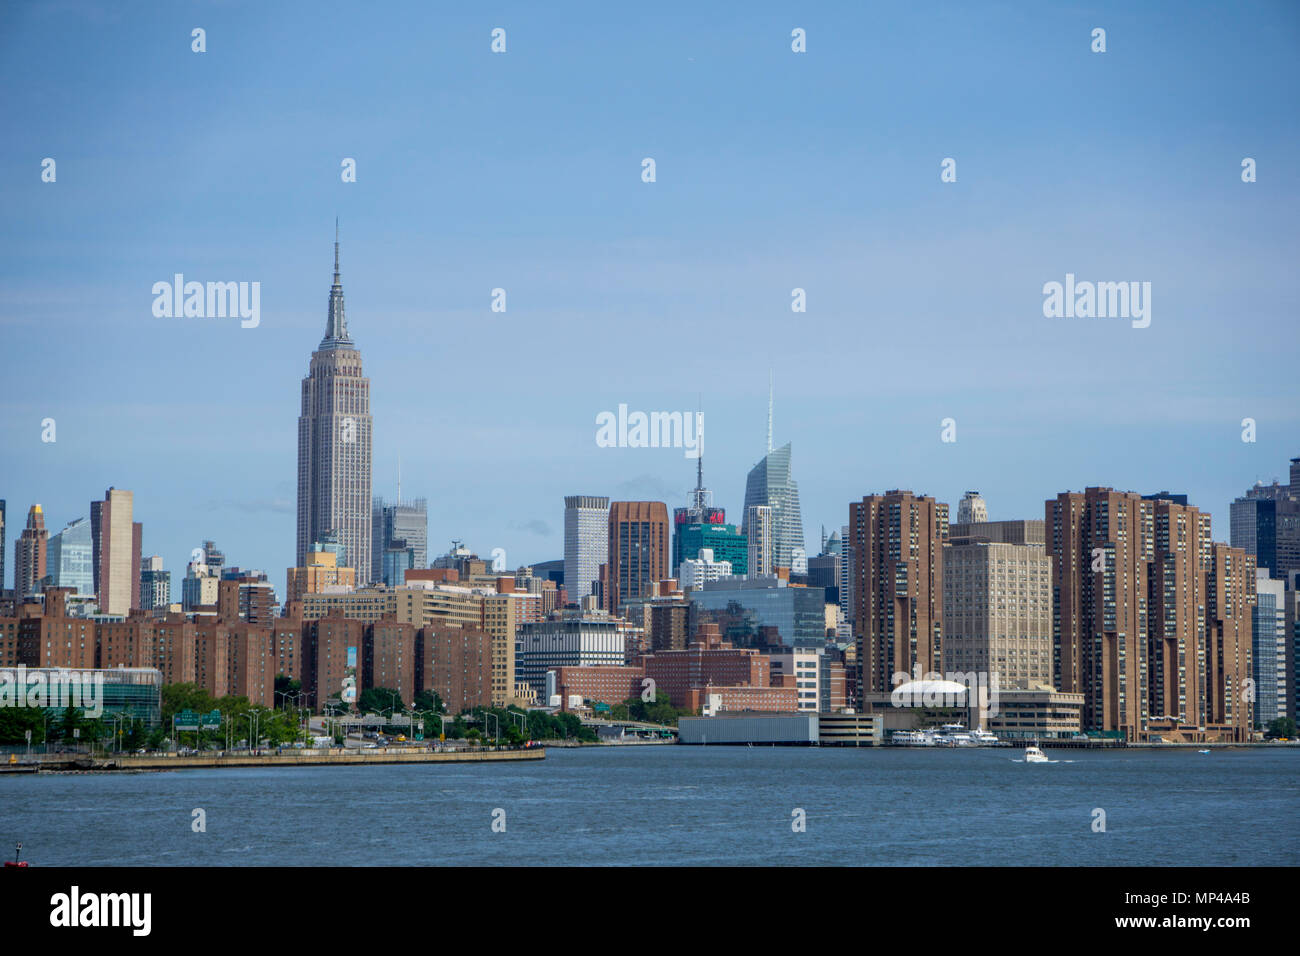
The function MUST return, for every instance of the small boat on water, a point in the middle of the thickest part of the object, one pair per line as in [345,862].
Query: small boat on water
[1202,751]
[18,851]
[1034,755]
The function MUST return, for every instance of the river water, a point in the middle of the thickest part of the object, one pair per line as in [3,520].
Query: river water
[649,805]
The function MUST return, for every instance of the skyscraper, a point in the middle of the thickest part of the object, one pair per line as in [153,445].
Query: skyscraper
[698,513]
[402,527]
[1269,649]
[70,559]
[30,554]
[758,540]
[2,545]
[638,551]
[1151,619]
[586,543]
[897,580]
[334,444]
[116,550]
[770,483]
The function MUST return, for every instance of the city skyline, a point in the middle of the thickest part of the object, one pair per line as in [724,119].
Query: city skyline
[900,269]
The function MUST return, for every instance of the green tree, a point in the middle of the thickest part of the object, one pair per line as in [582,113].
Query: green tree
[376,700]
[1282,727]
[427,700]
[16,721]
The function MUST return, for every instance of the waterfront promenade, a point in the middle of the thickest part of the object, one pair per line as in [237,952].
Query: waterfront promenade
[336,756]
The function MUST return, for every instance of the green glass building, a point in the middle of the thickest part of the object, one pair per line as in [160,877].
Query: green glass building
[727,542]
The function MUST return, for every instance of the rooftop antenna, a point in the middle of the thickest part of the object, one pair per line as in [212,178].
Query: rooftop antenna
[399,479]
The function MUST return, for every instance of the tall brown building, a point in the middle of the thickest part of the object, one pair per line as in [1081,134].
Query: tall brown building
[29,555]
[331,645]
[456,664]
[1230,598]
[388,659]
[1137,584]
[897,584]
[639,553]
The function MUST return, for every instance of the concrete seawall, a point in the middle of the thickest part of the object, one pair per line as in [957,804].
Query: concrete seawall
[294,758]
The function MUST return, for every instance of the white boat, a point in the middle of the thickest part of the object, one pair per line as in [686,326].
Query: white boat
[911,738]
[983,738]
[953,735]
[1034,755]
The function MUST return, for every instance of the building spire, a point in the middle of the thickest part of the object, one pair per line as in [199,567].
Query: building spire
[336,327]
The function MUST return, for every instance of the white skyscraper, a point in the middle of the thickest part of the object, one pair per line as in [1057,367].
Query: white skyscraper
[334,444]
[1268,655]
[586,543]
[758,531]
[770,483]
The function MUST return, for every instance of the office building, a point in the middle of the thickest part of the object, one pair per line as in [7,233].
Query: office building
[638,551]
[586,543]
[724,540]
[771,484]
[402,529]
[566,642]
[1269,649]
[334,444]
[320,574]
[997,611]
[761,612]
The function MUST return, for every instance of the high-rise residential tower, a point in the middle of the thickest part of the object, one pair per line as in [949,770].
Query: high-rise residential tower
[30,554]
[1151,619]
[155,584]
[115,540]
[334,444]
[586,543]
[897,553]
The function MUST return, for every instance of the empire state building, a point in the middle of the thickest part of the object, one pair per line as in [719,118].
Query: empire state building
[334,440]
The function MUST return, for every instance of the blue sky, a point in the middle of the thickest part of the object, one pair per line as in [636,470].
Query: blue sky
[775,170]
